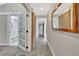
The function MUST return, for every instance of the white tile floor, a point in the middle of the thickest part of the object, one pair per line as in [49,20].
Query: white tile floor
[41,49]
[11,51]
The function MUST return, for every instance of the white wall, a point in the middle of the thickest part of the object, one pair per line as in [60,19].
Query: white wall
[62,43]
[3,29]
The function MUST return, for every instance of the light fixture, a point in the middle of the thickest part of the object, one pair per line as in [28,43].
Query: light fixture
[42,8]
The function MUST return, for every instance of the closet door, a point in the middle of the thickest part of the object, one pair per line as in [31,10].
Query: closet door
[13,18]
[22,32]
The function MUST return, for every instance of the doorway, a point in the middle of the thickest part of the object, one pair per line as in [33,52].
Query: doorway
[41,29]
[18,30]
[13,29]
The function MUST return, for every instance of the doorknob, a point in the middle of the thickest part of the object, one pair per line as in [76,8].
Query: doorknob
[27,15]
[26,31]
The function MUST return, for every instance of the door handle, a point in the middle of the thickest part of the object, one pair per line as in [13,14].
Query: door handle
[26,31]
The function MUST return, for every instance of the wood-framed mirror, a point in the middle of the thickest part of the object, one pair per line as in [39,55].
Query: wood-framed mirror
[65,17]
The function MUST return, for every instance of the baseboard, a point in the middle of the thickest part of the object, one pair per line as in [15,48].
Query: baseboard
[51,49]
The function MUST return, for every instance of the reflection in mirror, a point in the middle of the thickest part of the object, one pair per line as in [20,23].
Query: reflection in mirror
[55,22]
[65,17]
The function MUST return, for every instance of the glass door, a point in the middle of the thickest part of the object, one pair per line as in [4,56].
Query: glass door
[22,32]
[13,41]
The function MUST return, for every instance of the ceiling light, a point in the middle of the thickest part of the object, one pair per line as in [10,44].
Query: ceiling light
[42,8]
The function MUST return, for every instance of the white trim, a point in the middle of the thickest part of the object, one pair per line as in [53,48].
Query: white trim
[51,49]
[8,30]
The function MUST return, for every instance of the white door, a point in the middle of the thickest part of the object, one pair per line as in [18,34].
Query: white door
[22,32]
[13,41]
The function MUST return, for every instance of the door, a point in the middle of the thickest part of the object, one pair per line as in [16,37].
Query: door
[22,32]
[13,41]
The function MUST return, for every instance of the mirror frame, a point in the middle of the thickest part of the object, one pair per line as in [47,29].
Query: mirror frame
[75,18]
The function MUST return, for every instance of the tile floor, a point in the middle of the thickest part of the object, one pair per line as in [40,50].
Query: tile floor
[40,49]
[11,51]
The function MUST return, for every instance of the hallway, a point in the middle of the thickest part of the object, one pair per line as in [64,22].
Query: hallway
[23,24]
[22,30]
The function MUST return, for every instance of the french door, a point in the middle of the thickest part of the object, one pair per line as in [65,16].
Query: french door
[13,41]
[22,32]
[18,30]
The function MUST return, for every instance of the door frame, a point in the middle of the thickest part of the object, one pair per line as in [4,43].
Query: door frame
[33,29]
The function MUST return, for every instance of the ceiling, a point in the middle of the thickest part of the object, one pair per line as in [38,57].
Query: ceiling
[41,8]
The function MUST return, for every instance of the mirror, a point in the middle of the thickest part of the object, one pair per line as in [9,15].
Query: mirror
[65,17]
